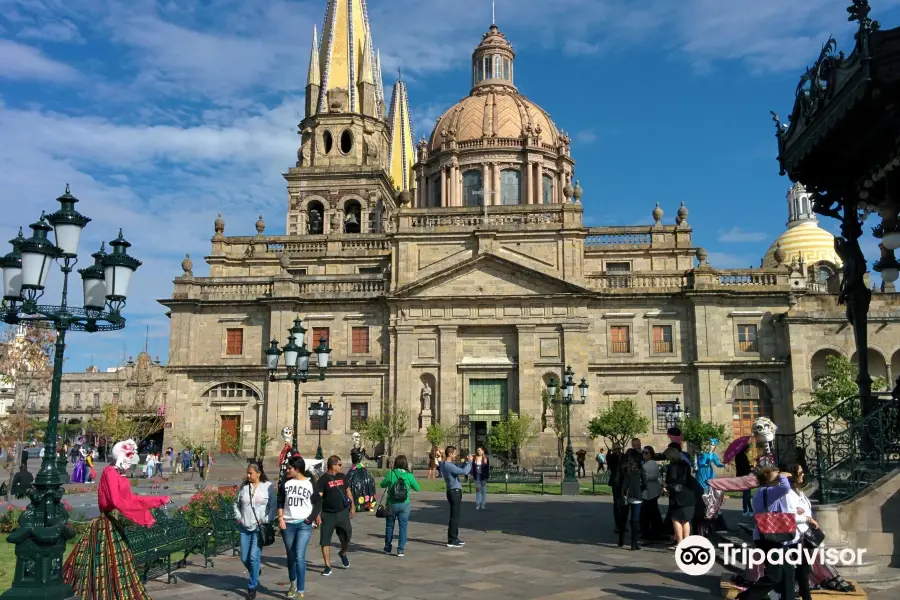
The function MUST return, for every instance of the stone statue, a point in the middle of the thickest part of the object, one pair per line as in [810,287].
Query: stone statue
[426,396]
[335,223]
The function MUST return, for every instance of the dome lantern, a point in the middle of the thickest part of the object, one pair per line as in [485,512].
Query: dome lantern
[492,61]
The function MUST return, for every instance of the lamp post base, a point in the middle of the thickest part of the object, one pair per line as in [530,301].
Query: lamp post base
[319,454]
[570,488]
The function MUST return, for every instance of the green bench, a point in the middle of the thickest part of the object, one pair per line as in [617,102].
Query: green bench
[598,479]
[419,464]
[519,477]
[154,547]
[552,469]
[222,533]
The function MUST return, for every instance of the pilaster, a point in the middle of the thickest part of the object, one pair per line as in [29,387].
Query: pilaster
[529,380]
[452,403]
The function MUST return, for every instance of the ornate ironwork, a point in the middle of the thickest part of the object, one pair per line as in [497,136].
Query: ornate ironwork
[816,85]
[859,11]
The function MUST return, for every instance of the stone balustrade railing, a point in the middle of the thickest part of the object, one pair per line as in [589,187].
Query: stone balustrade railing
[743,277]
[618,237]
[341,285]
[698,279]
[318,286]
[271,246]
[498,217]
[630,281]
[235,290]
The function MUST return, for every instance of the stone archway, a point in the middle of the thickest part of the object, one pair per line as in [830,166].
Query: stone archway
[877,364]
[819,362]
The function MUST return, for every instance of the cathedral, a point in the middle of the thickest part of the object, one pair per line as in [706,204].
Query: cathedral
[452,277]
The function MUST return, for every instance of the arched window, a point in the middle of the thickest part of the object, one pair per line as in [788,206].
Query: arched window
[230,392]
[510,187]
[488,67]
[751,400]
[547,189]
[315,215]
[473,187]
[352,217]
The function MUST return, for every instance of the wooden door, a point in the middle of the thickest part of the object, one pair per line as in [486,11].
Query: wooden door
[229,440]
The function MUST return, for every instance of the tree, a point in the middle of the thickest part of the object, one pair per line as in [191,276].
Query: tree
[26,369]
[437,435]
[560,422]
[512,434]
[619,423]
[387,430]
[835,385]
[116,422]
[698,433]
[265,438]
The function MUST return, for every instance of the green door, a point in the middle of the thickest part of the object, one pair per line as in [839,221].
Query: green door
[488,402]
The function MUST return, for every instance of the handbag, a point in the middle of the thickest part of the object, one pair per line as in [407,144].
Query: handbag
[775,527]
[266,530]
[813,537]
[383,511]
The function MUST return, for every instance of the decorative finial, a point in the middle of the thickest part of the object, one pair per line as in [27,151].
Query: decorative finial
[681,215]
[568,190]
[399,74]
[657,214]
[779,127]
[187,265]
[260,226]
[577,192]
[859,12]
[779,254]
[67,188]
[219,225]
[493,12]
[701,256]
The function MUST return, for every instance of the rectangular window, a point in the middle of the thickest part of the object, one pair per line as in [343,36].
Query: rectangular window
[360,341]
[115,397]
[77,400]
[235,342]
[662,339]
[359,413]
[318,424]
[370,270]
[620,339]
[318,333]
[618,267]
[32,400]
[747,341]
[96,400]
[665,416]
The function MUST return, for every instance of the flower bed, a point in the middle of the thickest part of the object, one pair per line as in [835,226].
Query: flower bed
[196,511]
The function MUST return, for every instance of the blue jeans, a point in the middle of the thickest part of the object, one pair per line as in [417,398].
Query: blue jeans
[747,505]
[399,512]
[296,539]
[480,492]
[251,551]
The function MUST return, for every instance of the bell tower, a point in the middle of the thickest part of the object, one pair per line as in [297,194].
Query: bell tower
[341,181]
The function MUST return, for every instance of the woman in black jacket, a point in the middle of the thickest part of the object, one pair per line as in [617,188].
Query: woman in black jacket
[613,464]
[681,493]
[742,468]
[632,483]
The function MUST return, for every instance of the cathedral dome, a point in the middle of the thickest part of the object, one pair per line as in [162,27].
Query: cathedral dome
[494,107]
[803,238]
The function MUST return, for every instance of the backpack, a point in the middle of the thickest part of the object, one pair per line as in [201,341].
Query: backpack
[399,491]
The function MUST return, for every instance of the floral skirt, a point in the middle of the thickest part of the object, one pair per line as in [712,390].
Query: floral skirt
[101,566]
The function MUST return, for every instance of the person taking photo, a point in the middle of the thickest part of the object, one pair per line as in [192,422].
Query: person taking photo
[450,472]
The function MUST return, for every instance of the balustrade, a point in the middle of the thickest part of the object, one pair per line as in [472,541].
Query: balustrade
[747,278]
[622,240]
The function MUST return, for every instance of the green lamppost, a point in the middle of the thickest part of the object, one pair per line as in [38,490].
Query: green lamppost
[43,528]
[320,411]
[296,362]
[570,485]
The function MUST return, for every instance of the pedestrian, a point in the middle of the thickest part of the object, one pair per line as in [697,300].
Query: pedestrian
[450,472]
[651,518]
[613,462]
[170,454]
[298,513]
[774,486]
[89,462]
[159,465]
[254,505]
[600,459]
[432,462]
[149,465]
[742,468]
[481,473]
[209,464]
[201,465]
[680,490]
[397,484]
[636,445]
[580,456]
[337,510]
[630,497]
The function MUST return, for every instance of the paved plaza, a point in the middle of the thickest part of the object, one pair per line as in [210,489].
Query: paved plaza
[521,547]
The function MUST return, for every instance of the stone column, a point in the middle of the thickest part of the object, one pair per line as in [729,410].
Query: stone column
[444,199]
[539,176]
[525,192]
[420,190]
[485,183]
[559,199]
[575,354]
[405,389]
[452,403]
[495,197]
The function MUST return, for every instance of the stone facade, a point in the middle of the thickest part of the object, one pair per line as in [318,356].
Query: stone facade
[459,299]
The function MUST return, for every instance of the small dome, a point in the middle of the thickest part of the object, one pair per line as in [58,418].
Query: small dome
[807,240]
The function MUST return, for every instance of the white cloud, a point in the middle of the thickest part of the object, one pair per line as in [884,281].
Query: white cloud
[26,63]
[587,136]
[63,31]
[738,235]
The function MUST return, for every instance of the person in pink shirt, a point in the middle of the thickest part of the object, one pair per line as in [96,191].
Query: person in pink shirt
[101,566]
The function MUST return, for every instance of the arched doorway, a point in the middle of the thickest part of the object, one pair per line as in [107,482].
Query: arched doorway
[751,399]
[818,366]
[315,218]
[877,365]
[231,394]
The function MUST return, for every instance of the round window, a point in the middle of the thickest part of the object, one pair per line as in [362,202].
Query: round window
[346,141]
[328,141]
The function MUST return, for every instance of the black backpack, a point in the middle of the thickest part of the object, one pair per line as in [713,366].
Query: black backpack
[399,491]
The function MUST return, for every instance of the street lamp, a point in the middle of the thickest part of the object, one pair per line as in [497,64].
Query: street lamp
[570,484]
[320,411]
[296,361]
[41,538]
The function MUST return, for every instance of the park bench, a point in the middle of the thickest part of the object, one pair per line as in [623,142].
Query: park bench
[598,479]
[520,477]
[419,464]
[154,547]
[222,533]
[552,468]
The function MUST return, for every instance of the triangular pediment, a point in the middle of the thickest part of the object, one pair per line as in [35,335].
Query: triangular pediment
[488,275]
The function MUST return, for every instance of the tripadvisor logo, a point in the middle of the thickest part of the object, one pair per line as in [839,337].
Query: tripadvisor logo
[696,555]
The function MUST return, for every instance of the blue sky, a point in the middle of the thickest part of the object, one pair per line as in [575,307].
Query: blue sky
[162,114]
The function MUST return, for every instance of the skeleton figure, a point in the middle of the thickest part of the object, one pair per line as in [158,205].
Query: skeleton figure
[287,434]
[362,484]
[764,432]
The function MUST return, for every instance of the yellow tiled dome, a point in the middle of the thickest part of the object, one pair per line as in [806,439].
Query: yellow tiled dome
[806,239]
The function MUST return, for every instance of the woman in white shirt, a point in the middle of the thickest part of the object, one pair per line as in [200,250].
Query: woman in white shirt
[253,505]
[298,508]
[797,503]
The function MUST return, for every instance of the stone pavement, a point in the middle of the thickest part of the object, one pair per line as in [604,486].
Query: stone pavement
[522,547]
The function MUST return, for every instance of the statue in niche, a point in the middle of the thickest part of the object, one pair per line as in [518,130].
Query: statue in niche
[335,223]
[426,397]
[248,251]
[315,222]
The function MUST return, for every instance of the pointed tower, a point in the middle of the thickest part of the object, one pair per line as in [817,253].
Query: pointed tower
[313,77]
[402,154]
[379,83]
[340,182]
[346,68]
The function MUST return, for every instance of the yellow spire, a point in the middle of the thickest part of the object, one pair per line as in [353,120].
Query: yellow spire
[379,84]
[343,50]
[402,154]
[314,77]
[367,72]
